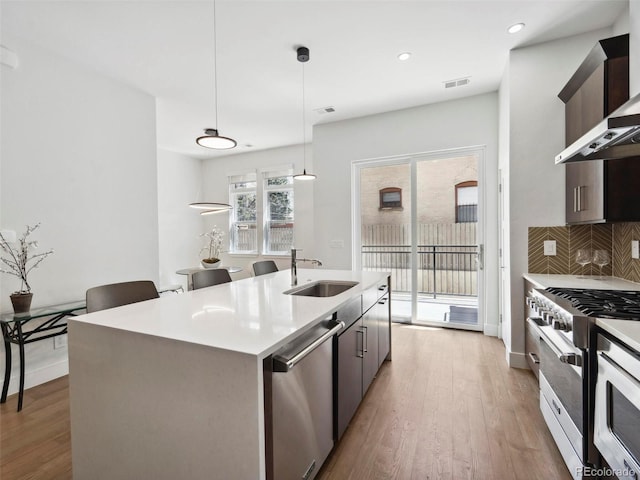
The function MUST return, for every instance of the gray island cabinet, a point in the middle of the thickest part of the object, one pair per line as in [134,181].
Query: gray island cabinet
[175,387]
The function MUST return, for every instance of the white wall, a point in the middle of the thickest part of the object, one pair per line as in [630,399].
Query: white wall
[179,183]
[215,188]
[466,122]
[634,47]
[535,131]
[503,222]
[79,155]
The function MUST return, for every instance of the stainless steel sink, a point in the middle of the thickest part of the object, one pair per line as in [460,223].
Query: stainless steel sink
[322,288]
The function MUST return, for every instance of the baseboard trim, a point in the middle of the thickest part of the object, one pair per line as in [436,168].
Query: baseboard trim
[39,376]
[491,329]
[517,360]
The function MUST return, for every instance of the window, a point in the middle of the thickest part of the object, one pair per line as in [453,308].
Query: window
[243,236]
[391,198]
[262,212]
[467,202]
[278,212]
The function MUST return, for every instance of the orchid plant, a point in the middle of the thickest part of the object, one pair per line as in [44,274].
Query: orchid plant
[20,259]
[213,245]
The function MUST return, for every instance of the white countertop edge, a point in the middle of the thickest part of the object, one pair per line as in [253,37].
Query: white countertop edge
[572,281]
[249,316]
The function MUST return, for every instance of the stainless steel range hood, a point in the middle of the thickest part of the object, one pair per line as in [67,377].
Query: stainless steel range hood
[617,136]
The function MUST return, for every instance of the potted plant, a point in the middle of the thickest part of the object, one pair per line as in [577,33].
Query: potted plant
[212,248]
[19,261]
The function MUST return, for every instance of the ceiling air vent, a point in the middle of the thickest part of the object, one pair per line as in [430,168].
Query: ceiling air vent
[323,110]
[458,82]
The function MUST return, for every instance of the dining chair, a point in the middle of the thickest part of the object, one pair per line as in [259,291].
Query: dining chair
[117,294]
[210,277]
[264,266]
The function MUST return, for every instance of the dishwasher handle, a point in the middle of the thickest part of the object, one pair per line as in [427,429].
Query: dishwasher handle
[282,364]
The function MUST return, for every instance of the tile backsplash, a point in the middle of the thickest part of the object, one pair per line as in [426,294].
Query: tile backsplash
[616,238]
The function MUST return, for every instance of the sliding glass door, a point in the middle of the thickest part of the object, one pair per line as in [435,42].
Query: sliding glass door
[418,217]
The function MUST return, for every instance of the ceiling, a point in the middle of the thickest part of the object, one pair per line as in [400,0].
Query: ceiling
[166,48]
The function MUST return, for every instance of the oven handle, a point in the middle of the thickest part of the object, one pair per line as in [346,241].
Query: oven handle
[570,358]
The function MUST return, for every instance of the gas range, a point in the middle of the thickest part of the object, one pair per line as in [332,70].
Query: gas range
[618,304]
[573,311]
[564,320]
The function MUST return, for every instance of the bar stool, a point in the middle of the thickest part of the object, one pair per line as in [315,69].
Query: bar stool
[210,277]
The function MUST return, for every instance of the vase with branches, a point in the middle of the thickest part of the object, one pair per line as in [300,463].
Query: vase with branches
[18,260]
[213,247]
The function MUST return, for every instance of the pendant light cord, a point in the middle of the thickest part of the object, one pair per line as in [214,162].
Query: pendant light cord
[215,64]
[304,128]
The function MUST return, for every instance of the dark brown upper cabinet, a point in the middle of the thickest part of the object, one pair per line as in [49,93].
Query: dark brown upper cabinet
[597,190]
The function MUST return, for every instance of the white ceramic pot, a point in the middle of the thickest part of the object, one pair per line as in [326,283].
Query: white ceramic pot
[210,265]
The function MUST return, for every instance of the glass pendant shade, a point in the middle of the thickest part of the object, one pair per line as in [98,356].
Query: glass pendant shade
[215,141]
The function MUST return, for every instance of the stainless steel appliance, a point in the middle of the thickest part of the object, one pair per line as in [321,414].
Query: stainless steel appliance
[562,378]
[301,404]
[617,136]
[564,319]
[617,408]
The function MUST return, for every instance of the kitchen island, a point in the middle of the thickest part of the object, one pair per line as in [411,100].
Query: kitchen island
[174,387]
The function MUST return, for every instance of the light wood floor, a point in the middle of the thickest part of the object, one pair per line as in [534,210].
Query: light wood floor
[447,407]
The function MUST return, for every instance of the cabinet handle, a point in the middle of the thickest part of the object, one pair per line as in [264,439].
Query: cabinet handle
[366,339]
[575,199]
[580,198]
[360,351]
[534,358]
[383,300]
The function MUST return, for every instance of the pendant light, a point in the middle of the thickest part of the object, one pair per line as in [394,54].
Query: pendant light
[211,138]
[209,208]
[303,56]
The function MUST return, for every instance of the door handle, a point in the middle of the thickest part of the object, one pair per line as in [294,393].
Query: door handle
[366,339]
[480,257]
[360,351]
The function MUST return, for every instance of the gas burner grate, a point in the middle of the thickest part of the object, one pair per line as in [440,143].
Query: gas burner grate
[620,304]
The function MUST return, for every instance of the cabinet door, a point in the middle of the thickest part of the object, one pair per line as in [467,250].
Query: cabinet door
[585,192]
[349,392]
[371,327]
[585,180]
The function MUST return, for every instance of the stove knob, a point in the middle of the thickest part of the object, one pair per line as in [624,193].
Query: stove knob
[547,317]
[558,324]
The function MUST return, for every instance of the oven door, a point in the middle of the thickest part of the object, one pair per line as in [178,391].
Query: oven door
[561,394]
[617,408]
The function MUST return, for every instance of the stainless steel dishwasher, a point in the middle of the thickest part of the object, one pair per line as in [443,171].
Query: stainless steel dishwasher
[302,403]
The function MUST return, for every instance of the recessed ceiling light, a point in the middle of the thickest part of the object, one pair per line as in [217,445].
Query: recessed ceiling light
[515,28]
[404,56]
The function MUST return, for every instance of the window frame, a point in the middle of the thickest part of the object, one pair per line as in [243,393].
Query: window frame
[458,186]
[386,205]
[266,210]
[236,225]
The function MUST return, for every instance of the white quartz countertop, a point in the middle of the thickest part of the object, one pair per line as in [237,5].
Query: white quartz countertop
[625,330]
[572,281]
[251,316]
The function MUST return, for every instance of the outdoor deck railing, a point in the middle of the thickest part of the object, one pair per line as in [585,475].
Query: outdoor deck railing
[442,269]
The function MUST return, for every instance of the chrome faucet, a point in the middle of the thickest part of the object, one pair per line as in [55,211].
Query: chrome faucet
[294,265]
